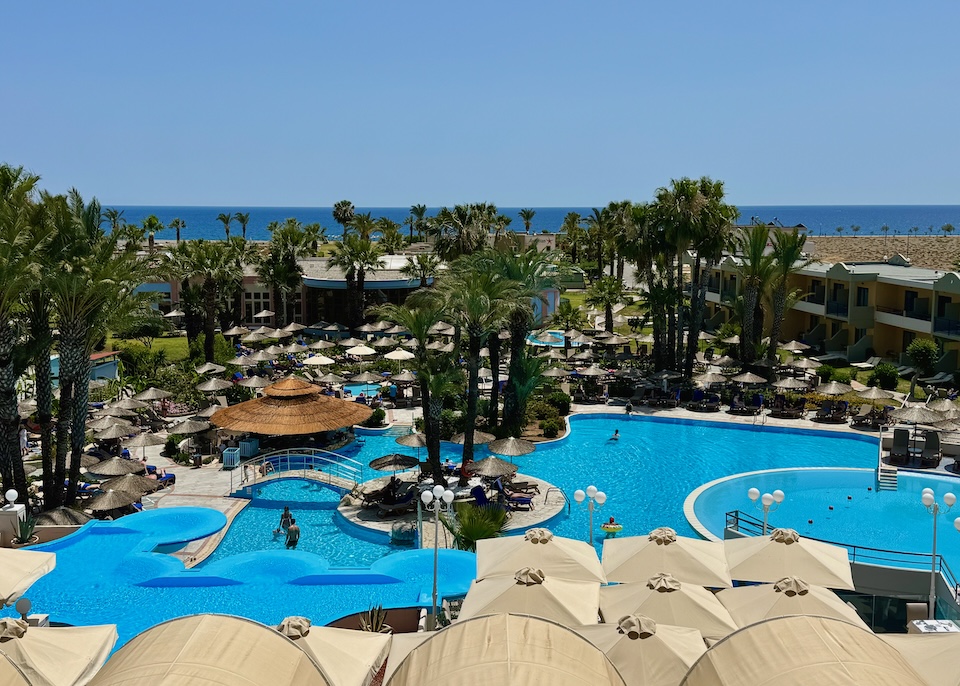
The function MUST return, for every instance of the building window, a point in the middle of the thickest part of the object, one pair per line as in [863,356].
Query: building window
[909,300]
[908,337]
[859,334]
[863,296]
[253,302]
[814,321]
[835,328]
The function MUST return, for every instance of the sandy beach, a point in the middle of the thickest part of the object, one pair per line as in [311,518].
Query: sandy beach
[934,252]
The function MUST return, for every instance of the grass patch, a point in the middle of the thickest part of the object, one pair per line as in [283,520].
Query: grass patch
[175,346]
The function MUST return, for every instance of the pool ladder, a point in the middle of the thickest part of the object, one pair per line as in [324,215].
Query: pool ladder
[760,418]
[562,494]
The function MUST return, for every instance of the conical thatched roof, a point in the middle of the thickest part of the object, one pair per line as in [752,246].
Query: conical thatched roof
[62,516]
[111,500]
[117,466]
[131,483]
[291,407]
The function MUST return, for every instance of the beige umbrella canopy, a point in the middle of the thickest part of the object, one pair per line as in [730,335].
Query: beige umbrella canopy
[152,393]
[350,342]
[804,363]
[188,426]
[790,383]
[402,645]
[385,342]
[366,377]
[211,649]
[253,337]
[795,346]
[10,674]
[561,558]
[322,345]
[748,378]
[115,431]
[710,377]
[87,461]
[410,343]
[111,500]
[294,327]
[644,652]
[593,370]
[800,651]
[399,355]
[263,314]
[511,447]
[690,560]
[404,377]
[115,412]
[209,411]
[916,414]
[417,440]
[666,600]
[493,468]
[360,350]
[479,438]
[556,372]
[785,553]
[789,596]
[237,331]
[318,361]
[932,656]
[104,423]
[130,404]
[116,466]
[242,361]
[529,591]
[131,483]
[506,650]
[19,569]
[251,382]
[210,367]
[331,378]
[213,385]
[834,388]
[55,656]
[291,407]
[941,405]
[62,516]
[393,462]
[349,657]
[335,327]
[144,439]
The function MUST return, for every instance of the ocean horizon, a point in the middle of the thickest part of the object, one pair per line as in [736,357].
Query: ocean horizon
[820,220]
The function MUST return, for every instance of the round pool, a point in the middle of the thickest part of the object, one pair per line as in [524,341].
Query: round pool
[841,505]
[553,339]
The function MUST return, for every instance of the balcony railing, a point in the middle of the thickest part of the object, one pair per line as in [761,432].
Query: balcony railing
[912,314]
[946,326]
[818,296]
[837,308]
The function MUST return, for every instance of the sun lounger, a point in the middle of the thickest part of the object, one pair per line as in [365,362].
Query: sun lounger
[406,501]
[931,454]
[864,417]
[905,371]
[869,364]
[939,377]
[830,357]
[826,409]
[513,501]
[900,450]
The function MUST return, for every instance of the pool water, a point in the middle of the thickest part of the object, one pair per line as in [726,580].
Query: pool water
[553,339]
[656,462]
[844,506]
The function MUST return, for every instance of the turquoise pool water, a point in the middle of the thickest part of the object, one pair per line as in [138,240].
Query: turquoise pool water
[553,339]
[657,461]
[844,506]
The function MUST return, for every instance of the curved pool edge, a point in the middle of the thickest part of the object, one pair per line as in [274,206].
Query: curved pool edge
[689,503]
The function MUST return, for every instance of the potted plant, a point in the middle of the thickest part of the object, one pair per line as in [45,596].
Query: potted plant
[25,535]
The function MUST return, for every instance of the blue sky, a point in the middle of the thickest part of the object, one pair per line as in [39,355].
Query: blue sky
[518,103]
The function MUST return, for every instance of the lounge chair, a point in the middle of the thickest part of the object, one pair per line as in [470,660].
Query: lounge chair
[939,377]
[521,488]
[830,357]
[696,400]
[865,416]
[931,454]
[868,364]
[479,494]
[900,450]
[406,501]
[906,371]
[513,501]
[795,411]
[825,411]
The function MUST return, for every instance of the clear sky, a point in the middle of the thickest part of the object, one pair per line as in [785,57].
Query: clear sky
[521,103]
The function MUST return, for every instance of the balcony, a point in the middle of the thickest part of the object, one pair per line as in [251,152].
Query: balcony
[945,326]
[912,314]
[836,308]
[818,296]
[728,293]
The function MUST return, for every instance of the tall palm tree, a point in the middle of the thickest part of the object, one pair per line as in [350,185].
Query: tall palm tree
[422,266]
[788,259]
[527,216]
[756,269]
[356,257]
[417,217]
[151,226]
[391,240]
[343,214]
[604,294]
[280,267]
[244,219]
[226,218]
[178,225]
[574,234]
[114,217]
[364,225]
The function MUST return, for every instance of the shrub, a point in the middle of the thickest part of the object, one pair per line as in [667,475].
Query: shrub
[550,428]
[451,422]
[375,420]
[885,376]
[539,409]
[841,376]
[561,401]
[825,372]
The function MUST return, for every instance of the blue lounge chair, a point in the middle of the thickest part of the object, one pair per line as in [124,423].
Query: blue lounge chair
[513,501]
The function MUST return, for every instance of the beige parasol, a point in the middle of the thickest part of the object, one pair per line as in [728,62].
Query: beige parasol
[210,368]
[402,645]
[415,440]
[116,466]
[188,426]
[555,372]
[504,650]
[214,385]
[291,407]
[561,558]
[366,378]
[644,652]
[131,483]
[690,560]
[493,468]
[349,657]
[250,382]
[106,422]
[788,596]
[360,351]
[114,431]
[211,649]
[399,355]
[666,600]
[331,378]
[318,361]
[790,383]
[19,569]
[51,656]
[748,378]
[800,651]
[152,393]
[785,553]
[62,516]
[479,438]
[804,363]
[237,331]
[111,500]
[294,327]
[322,345]
[130,404]
[529,591]
[710,378]
[404,377]
[834,388]
[511,447]
[350,342]
[933,656]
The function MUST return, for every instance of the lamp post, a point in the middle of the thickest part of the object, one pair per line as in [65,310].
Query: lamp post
[769,502]
[436,501]
[933,507]
[595,496]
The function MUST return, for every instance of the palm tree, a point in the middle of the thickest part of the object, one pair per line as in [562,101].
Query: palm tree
[885,229]
[356,256]
[417,214]
[114,217]
[527,216]
[606,293]
[574,234]
[151,225]
[422,266]
[788,259]
[226,218]
[363,225]
[244,219]
[280,267]
[391,240]
[178,225]
[343,214]
[598,228]
[756,270]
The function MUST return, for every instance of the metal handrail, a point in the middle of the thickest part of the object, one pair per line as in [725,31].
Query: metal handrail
[308,460]
[735,521]
[560,491]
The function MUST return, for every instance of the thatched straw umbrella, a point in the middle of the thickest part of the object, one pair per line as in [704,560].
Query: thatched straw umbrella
[208,367]
[111,500]
[511,447]
[152,394]
[214,385]
[416,440]
[131,483]
[106,422]
[114,431]
[62,516]
[130,404]
[331,378]
[188,426]
[479,438]
[291,407]
[117,466]
[494,468]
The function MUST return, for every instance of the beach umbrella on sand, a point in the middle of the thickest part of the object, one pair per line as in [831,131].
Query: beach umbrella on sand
[479,438]
[415,440]
[318,360]
[62,516]
[790,383]
[748,378]
[117,466]
[322,345]
[214,385]
[511,447]
[834,388]
[152,394]
[393,462]
[493,468]
[188,426]
[208,367]
[331,378]
[237,331]
[131,483]
[875,393]
[130,404]
[111,500]
[115,431]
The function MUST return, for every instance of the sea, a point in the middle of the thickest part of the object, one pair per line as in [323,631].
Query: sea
[819,220]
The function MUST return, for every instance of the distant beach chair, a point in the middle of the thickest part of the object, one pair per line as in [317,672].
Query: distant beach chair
[931,454]
[900,450]
[868,364]
[939,377]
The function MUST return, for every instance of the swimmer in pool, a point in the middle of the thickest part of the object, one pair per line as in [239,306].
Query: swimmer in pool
[616,435]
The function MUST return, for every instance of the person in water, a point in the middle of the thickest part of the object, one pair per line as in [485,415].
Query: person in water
[293,535]
[286,519]
[616,435]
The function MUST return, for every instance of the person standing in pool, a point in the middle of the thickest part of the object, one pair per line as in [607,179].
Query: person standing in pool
[293,535]
[286,519]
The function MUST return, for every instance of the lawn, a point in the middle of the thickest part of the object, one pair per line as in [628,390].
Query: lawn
[174,346]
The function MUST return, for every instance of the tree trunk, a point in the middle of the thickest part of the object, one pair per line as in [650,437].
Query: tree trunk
[432,408]
[747,348]
[672,312]
[210,318]
[359,297]
[493,343]
[41,335]
[474,343]
[78,429]
[74,373]
[608,318]
[779,305]
[519,330]
[11,463]
[698,296]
